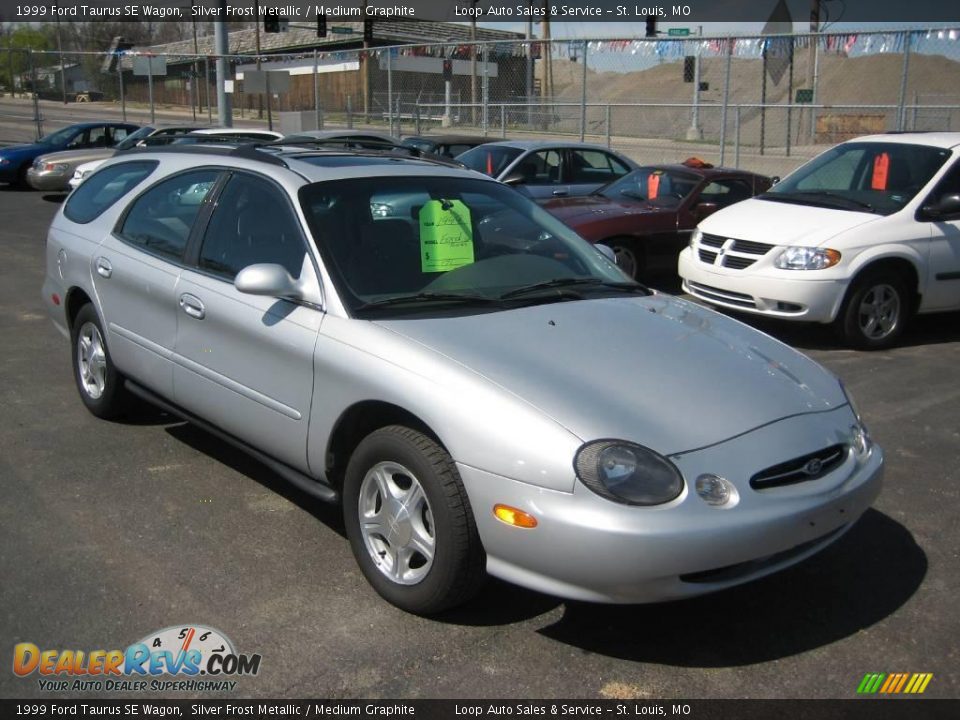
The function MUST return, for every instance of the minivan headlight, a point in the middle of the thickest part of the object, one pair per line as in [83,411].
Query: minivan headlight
[807,258]
[627,473]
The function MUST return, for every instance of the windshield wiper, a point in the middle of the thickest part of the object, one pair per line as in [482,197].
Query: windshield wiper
[629,287]
[831,199]
[426,297]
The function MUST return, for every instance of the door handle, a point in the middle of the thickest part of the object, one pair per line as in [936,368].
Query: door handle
[104,268]
[560,193]
[192,306]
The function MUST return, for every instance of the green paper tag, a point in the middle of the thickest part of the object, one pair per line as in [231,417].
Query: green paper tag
[446,236]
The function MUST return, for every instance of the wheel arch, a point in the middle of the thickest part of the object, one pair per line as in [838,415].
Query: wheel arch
[905,266]
[358,421]
[75,300]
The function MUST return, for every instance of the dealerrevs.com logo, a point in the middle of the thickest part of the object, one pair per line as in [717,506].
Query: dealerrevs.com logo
[199,658]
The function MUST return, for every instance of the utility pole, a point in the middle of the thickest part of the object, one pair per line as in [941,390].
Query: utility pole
[473,63]
[63,70]
[224,110]
[695,133]
[256,11]
[195,80]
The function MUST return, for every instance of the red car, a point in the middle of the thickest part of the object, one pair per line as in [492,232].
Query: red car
[647,215]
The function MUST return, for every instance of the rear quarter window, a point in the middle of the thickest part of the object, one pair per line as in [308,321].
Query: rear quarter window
[104,188]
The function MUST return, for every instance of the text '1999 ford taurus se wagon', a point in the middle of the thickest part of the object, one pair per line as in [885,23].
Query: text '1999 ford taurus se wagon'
[481,389]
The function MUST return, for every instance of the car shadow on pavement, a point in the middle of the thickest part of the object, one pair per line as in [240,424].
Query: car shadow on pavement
[58,198]
[855,583]
[212,446]
[500,603]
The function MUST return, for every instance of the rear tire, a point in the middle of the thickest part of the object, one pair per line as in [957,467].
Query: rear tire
[98,382]
[409,522]
[875,311]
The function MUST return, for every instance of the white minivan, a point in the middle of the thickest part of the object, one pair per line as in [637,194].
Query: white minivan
[862,236]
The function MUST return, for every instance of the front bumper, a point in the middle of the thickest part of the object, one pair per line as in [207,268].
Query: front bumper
[43,180]
[588,548]
[787,294]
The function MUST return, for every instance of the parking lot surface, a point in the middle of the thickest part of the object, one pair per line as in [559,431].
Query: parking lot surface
[110,531]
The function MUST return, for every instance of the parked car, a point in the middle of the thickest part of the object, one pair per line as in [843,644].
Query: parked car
[350,138]
[862,236]
[16,160]
[529,414]
[169,134]
[449,146]
[647,216]
[544,170]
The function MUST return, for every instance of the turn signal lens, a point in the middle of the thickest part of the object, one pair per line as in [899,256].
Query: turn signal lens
[513,516]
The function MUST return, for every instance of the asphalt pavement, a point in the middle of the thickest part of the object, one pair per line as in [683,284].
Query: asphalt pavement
[110,531]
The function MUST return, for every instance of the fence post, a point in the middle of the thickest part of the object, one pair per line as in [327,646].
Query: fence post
[815,95]
[350,112]
[901,113]
[36,98]
[123,97]
[399,119]
[486,89]
[206,71]
[316,91]
[726,102]
[416,118]
[583,93]
[736,138]
[390,90]
[153,114]
[503,121]
[608,125]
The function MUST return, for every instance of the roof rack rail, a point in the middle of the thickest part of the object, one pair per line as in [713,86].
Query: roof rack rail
[364,147]
[247,151]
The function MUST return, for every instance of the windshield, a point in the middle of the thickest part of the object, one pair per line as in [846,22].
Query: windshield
[59,137]
[133,138]
[409,244]
[489,159]
[656,186]
[865,177]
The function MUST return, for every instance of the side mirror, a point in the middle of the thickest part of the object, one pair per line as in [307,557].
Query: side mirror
[946,206]
[268,279]
[515,178]
[703,209]
[607,252]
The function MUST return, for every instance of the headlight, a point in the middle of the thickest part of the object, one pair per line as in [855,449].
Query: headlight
[695,237]
[55,167]
[627,473]
[807,258]
[4,161]
[861,439]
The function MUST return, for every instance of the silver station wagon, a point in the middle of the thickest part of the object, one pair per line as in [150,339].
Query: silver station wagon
[484,391]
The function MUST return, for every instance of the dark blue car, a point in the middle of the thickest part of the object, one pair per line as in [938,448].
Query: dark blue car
[16,159]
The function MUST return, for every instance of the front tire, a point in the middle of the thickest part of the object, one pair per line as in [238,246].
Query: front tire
[627,254]
[98,382]
[409,522]
[875,311]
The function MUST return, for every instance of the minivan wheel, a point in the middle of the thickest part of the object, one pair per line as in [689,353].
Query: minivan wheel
[409,522]
[100,385]
[875,311]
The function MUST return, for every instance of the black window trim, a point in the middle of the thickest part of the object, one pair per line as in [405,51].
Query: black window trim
[177,262]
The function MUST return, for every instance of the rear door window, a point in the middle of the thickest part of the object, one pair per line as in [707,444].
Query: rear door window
[160,220]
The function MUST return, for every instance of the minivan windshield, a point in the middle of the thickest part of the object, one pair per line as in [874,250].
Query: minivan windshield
[424,244]
[873,177]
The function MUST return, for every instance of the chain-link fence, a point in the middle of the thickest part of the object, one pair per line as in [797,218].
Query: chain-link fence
[734,100]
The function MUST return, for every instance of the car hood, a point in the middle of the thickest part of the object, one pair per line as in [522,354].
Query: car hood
[660,371]
[75,157]
[782,223]
[23,149]
[597,207]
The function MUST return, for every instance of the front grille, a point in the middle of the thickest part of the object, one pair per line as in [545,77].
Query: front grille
[725,296]
[806,467]
[750,247]
[737,263]
[707,256]
[712,240]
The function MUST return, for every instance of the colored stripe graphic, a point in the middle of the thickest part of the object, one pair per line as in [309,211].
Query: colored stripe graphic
[894,683]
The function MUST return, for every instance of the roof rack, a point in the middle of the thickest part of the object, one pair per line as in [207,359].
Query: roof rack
[247,151]
[354,146]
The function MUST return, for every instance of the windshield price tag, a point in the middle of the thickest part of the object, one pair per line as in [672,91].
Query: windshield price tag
[446,236]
